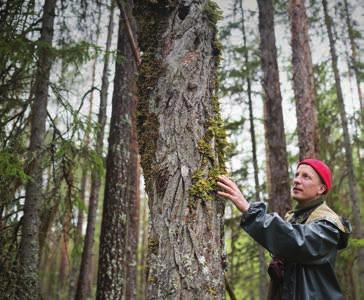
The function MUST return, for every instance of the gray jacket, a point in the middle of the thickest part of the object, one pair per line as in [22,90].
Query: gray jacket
[308,250]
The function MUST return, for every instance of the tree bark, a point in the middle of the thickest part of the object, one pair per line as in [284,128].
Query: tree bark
[181,143]
[355,206]
[133,223]
[303,82]
[120,171]
[28,279]
[279,192]
[84,279]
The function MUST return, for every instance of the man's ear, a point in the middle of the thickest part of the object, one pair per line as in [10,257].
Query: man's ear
[322,189]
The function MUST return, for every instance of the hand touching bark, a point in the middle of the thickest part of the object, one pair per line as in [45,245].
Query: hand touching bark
[232,192]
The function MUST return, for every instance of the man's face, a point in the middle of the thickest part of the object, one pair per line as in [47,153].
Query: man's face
[307,184]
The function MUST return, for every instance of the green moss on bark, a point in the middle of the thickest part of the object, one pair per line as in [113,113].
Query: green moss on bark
[212,12]
[213,144]
[151,18]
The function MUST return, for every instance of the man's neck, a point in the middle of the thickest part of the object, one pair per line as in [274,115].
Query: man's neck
[308,204]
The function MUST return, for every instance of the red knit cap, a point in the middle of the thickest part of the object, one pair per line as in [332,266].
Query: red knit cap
[321,169]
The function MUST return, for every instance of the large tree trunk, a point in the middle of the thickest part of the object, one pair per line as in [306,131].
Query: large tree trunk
[261,257]
[120,172]
[181,143]
[303,82]
[355,206]
[84,279]
[279,187]
[28,279]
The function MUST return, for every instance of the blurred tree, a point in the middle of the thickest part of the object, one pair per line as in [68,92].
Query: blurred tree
[277,165]
[355,64]
[355,205]
[28,274]
[303,82]
[84,279]
[121,166]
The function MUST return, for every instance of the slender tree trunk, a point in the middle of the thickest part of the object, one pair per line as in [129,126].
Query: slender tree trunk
[262,266]
[344,122]
[279,194]
[84,279]
[355,206]
[85,175]
[120,171]
[78,240]
[303,82]
[354,58]
[181,143]
[63,265]
[28,280]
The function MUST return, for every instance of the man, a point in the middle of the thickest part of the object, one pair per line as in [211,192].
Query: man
[304,245]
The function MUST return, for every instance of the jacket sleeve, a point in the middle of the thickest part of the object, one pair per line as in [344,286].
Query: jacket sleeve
[301,243]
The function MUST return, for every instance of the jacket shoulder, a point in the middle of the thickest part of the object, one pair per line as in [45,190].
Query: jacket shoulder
[324,212]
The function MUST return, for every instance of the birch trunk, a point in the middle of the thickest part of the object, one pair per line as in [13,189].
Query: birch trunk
[181,142]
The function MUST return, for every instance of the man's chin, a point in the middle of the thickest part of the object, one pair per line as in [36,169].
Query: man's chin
[298,198]
[294,196]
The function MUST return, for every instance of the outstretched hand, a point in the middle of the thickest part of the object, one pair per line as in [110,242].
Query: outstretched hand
[232,192]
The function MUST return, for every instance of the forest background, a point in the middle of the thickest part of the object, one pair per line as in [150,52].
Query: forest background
[84,216]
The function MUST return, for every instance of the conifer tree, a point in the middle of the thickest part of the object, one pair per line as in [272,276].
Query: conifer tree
[303,83]
[121,165]
[277,165]
[28,280]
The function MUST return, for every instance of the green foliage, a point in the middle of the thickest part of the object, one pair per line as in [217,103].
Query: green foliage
[356,243]
[77,53]
[11,168]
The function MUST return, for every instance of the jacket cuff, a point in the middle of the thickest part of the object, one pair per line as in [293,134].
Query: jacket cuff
[251,213]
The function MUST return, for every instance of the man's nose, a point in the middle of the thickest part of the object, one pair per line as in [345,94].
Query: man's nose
[296,180]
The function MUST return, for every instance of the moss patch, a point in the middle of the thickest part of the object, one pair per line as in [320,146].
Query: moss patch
[213,12]
[151,17]
[213,144]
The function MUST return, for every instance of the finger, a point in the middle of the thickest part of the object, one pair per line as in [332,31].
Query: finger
[225,187]
[225,195]
[226,180]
